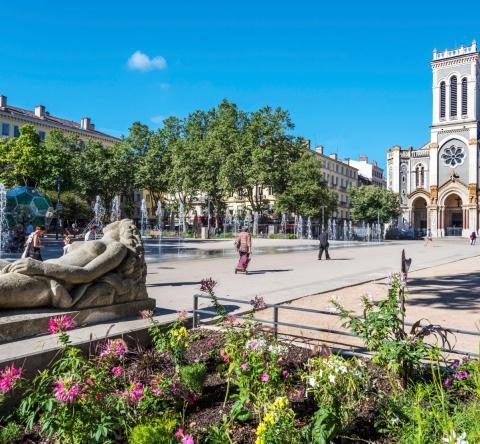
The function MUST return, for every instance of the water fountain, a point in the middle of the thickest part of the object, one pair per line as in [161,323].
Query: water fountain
[228,221]
[329,228]
[3,219]
[350,230]
[115,212]
[181,219]
[283,224]
[159,214]
[300,227]
[334,229]
[248,220]
[309,228]
[98,216]
[236,224]
[369,232]
[255,223]
[143,218]
[345,231]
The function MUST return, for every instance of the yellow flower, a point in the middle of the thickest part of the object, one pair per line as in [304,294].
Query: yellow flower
[260,440]
[269,418]
[281,402]
[262,428]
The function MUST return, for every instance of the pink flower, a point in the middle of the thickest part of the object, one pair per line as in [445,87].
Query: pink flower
[207,285]
[146,314]
[8,376]
[117,371]
[64,392]
[258,303]
[135,393]
[265,377]
[60,324]
[210,343]
[188,439]
[244,366]
[447,383]
[89,381]
[462,374]
[224,356]
[155,385]
[285,373]
[179,434]
[115,348]
[254,345]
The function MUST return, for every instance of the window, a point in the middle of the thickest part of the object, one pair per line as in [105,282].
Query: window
[16,131]
[270,191]
[442,100]
[5,129]
[41,134]
[420,176]
[464,96]
[453,97]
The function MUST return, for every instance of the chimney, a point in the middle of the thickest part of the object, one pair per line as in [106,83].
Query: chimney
[3,101]
[319,149]
[85,123]
[333,156]
[40,111]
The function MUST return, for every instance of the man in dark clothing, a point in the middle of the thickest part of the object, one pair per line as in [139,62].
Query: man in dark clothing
[323,246]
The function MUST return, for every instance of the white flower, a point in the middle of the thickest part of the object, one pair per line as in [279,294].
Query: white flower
[320,373]
[312,381]
[342,369]
[453,439]
[331,378]
[395,420]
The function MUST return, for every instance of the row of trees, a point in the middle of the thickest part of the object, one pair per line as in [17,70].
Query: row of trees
[209,153]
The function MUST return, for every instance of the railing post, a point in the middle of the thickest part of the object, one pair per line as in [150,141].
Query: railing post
[195,314]
[275,321]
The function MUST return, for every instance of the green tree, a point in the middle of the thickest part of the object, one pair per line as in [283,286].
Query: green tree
[370,203]
[306,191]
[75,208]
[260,154]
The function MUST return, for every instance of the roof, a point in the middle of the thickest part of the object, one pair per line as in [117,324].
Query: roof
[48,118]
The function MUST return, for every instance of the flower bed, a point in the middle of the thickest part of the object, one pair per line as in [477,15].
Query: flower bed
[239,384]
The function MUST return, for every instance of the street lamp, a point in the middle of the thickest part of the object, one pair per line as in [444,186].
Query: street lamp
[59,206]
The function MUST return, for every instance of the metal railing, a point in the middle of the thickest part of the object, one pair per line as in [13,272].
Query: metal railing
[275,322]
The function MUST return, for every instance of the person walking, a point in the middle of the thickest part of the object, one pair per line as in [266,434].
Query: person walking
[323,246]
[428,238]
[243,244]
[33,244]
[91,233]
[473,238]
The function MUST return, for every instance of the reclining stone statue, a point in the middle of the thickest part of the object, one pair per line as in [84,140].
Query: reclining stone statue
[107,271]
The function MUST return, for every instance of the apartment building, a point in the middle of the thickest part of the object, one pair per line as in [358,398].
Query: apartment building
[368,173]
[13,117]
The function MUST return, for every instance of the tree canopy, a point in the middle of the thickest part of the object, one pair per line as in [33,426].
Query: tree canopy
[370,203]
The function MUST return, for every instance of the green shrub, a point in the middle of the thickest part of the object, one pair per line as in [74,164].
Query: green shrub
[194,376]
[158,431]
[9,434]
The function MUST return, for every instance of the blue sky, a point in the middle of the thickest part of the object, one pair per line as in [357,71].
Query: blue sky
[354,75]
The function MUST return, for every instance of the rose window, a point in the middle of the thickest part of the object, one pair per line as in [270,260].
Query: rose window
[453,156]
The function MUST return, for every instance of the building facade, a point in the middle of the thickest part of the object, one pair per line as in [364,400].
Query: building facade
[339,177]
[13,117]
[438,183]
[368,173]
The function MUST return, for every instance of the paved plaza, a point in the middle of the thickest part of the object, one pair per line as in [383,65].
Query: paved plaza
[287,270]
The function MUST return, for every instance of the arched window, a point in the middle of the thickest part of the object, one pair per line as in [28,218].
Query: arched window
[442,100]
[453,96]
[420,176]
[464,97]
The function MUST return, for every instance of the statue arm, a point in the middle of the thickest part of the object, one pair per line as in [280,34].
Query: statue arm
[110,259]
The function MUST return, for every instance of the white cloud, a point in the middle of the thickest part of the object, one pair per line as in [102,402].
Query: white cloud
[157,119]
[141,62]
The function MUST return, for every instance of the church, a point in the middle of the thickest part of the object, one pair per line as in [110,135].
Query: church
[438,183]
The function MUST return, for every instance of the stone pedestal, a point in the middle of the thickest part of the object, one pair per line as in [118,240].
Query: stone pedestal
[17,324]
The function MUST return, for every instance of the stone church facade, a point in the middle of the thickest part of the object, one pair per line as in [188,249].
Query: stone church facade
[438,183]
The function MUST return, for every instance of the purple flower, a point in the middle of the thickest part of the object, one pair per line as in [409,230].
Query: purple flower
[258,303]
[207,285]
[285,374]
[115,348]
[64,392]
[462,374]
[224,356]
[8,376]
[447,383]
[244,366]
[265,377]
[455,364]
